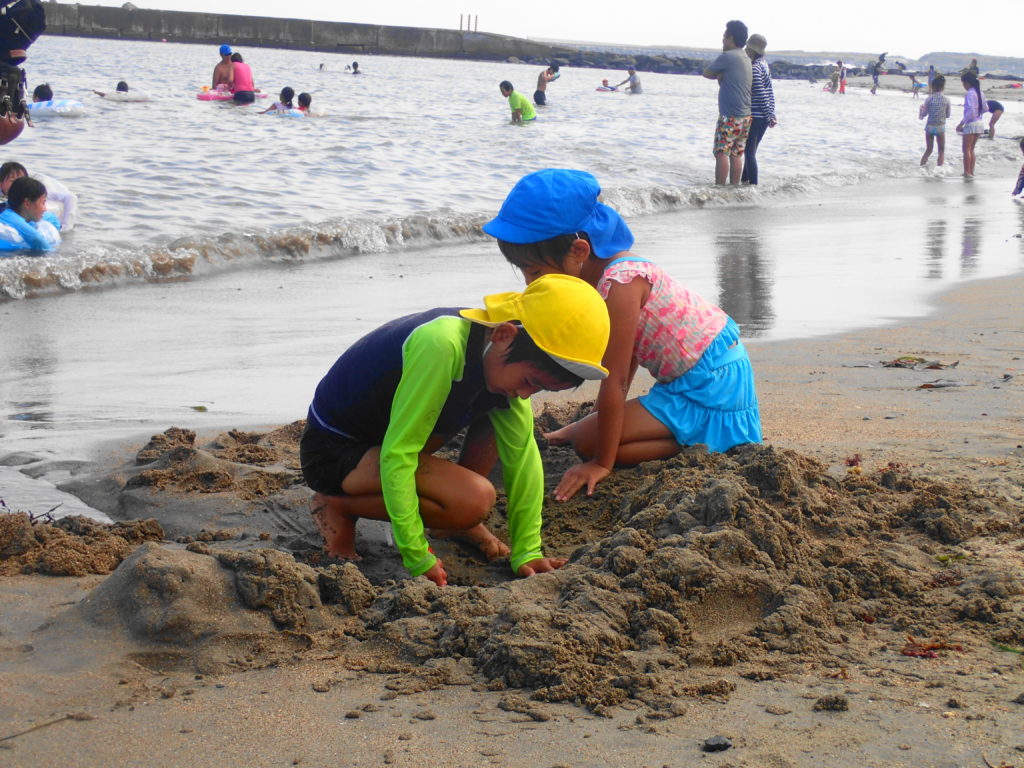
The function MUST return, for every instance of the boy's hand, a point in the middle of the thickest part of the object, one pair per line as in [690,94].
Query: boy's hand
[541,565]
[437,574]
[588,474]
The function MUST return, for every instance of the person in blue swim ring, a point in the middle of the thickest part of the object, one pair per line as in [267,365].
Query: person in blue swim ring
[22,223]
[62,202]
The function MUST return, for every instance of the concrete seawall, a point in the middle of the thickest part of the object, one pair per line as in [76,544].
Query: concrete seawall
[258,31]
[341,37]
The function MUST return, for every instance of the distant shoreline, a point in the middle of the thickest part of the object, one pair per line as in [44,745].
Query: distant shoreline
[130,23]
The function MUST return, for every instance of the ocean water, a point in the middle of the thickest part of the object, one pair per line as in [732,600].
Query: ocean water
[223,258]
[413,154]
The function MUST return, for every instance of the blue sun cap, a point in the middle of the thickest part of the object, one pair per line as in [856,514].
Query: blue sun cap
[559,201]
[225,50]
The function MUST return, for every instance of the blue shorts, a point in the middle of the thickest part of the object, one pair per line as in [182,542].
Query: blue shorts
[935,130]
[715,402]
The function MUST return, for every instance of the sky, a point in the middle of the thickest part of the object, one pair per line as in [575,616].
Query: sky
[908,29]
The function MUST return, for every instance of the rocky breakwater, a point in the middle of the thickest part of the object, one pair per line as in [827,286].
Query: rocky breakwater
[675,65]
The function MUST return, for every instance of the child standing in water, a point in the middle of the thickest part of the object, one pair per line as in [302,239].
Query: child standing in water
[552,223]
[972,126]
[937,109]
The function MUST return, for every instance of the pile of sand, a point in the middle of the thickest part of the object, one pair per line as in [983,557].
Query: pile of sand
[230,463]
[72,546]
[756,560]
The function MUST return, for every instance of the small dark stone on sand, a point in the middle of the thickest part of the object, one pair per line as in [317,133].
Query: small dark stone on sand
[425,714]
[954,704]
[1019,699]
[352,715]
[716,744]
[831,704]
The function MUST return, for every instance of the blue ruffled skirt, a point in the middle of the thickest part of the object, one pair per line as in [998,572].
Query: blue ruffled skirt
[714,402]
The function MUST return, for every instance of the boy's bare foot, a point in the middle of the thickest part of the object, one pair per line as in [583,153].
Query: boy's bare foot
[337,528]
[480,537]
[561,436]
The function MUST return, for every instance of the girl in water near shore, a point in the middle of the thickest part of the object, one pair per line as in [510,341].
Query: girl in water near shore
[552,223]
[972,126]
[937,109]
[283,103]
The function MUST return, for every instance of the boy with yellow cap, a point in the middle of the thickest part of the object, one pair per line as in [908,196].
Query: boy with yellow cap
[399,393]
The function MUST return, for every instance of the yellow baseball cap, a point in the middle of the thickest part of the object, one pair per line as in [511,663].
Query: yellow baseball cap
[564,316]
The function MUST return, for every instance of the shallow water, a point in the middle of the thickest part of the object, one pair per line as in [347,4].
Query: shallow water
[224,259]
[413,153]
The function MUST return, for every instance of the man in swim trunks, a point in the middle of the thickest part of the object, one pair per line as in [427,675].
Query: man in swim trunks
[546,76]
[522,109]
[224,72]
[732,70]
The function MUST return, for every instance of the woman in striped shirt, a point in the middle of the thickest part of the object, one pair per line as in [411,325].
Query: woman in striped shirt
[762,106]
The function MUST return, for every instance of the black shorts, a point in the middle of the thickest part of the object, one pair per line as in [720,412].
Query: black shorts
[539,98]
[327,459]
[244,97]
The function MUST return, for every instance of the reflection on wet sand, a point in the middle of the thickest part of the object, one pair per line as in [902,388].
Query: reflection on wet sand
[970,247]
[1020,212]
[935,248]
[744,277]
[38,363]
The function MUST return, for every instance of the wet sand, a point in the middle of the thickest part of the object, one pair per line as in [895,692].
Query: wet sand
[766,596]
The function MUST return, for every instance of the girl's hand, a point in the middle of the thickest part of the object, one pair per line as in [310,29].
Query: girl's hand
[588,474]
[541,565]
[437,574]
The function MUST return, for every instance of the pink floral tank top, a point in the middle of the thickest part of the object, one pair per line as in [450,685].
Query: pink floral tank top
[676,325]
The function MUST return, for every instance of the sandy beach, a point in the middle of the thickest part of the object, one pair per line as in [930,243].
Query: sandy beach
[849,593]
[884,505]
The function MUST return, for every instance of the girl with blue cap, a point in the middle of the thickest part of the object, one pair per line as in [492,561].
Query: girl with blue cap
[552,223]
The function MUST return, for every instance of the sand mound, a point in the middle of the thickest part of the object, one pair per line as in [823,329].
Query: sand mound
[71,546]
[755,560]
[246,482]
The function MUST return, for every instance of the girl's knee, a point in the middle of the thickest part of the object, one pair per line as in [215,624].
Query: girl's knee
[585,444]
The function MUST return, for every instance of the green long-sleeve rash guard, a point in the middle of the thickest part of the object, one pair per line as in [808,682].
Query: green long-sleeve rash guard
[433,357]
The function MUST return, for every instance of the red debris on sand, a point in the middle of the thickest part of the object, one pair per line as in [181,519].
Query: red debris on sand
[920,650]
[854,461]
